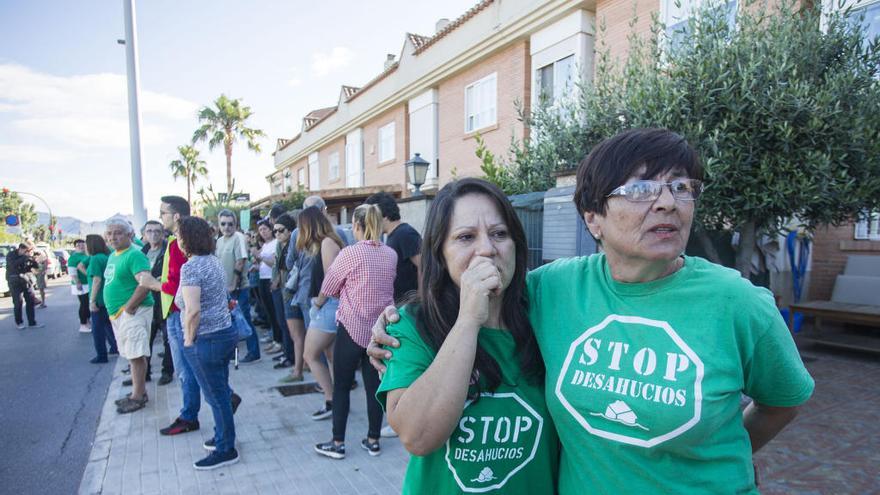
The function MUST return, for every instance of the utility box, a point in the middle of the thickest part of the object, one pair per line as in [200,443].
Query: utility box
[565,234]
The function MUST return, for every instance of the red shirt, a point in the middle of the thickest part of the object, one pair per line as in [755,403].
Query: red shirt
[176,259]
[362,277]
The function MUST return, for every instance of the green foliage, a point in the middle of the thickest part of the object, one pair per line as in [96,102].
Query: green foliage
[11,203]
[294,200]
[189,167]
[225,124]
[212,202]
[784,114]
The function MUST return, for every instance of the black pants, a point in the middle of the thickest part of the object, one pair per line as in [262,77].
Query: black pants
[157,328]
[271,312]
[347,356]
[19,290]
[84,312]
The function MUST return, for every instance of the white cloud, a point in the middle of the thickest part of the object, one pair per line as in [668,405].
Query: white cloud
[84,110]
[325,63]
[18,154]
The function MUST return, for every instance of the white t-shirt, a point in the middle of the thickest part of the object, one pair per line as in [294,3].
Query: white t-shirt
[268,251]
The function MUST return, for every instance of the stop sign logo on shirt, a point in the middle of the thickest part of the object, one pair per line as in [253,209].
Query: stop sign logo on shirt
[632,380]
[495,438]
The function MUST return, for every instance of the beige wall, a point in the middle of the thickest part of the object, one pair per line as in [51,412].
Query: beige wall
[617,16]
[337,146]
[392,171]
[294,173]
[512,66]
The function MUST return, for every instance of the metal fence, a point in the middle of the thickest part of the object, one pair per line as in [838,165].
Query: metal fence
[529,208]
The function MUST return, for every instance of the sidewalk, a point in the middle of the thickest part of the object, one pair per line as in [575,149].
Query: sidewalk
[831,447]
[275,438]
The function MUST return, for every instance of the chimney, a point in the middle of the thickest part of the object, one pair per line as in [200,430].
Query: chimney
[441,24]
[389,61]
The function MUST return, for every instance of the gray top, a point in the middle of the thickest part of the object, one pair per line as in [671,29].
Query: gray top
[206,272]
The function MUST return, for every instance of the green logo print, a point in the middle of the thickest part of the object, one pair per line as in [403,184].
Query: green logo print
[496,437]
[632,380]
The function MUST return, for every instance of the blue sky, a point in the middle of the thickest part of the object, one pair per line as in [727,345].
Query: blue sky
[63,113]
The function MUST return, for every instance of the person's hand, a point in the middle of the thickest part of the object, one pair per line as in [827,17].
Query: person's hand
[130,311]
[478,282]
[273,285]
[316,302]
[189,341]
[79,286]
[147,280]
[93,307]
[381,338]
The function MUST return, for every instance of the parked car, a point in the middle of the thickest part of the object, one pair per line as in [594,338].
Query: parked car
[4,285]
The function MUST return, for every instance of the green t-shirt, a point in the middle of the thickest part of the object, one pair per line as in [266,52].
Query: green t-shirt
[97,265]
[119,281]
[75,259]
[644,380]
[504,443]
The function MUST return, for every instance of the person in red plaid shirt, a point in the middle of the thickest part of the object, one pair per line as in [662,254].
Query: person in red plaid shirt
[362,276]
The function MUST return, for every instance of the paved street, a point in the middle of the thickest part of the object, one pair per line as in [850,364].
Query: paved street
[52,398]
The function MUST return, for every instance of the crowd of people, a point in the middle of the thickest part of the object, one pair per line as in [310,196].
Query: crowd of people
[622,370]
[314,286]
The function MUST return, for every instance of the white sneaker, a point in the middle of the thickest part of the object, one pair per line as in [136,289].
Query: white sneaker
[85,329]
[387,432]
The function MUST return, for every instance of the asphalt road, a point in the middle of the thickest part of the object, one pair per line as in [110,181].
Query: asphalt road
[50,397]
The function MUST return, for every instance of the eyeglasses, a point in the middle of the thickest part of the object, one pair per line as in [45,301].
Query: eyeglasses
[279,231]
[227,224]
[650,190]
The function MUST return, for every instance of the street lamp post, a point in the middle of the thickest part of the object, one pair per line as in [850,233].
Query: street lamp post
[134,113]
[416,170]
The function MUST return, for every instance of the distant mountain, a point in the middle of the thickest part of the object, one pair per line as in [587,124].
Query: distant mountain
[74,227]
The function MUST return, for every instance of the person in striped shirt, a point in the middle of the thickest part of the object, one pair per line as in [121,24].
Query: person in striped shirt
[362,277]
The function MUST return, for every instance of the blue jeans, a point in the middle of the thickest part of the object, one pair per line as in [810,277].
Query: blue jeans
[244,304]
[286,342]
[208,358]
[102,333]
[189,387]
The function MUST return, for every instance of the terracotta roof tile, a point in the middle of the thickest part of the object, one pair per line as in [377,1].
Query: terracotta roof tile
[417,39]
[476,9]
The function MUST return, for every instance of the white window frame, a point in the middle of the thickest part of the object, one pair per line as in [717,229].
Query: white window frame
[314,172]
[673,22]
[333,166]
[868,228]
[563,84]
[481,103]
[387,142]
[301,177]
[288,183]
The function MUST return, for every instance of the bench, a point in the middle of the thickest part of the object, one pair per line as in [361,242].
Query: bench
[856,299]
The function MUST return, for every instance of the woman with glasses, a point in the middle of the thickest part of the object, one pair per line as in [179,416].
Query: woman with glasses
[649,351]
[281,297]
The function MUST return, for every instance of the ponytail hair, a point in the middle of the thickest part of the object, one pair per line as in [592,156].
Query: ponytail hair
[369,218]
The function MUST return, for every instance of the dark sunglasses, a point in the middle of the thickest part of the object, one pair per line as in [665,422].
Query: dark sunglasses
[279,231]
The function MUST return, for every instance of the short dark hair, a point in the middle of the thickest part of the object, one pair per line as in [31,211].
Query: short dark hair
[78,241]
[287,220]
[178,205]
[95,244]
[197,236]
[225,212]
[386,203]
[613,161]
[276,211]
[153,222]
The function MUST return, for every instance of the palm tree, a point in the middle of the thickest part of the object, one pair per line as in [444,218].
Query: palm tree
[226,123]
[189,167]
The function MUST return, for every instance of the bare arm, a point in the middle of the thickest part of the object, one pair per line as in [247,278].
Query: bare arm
[765,422]
[192,312]
[140,293]
[329,251]
[93,296]
[425,414]
[148,281]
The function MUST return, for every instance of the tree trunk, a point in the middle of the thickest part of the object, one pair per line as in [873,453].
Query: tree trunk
[746,248]
[228,147]
[708,246]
